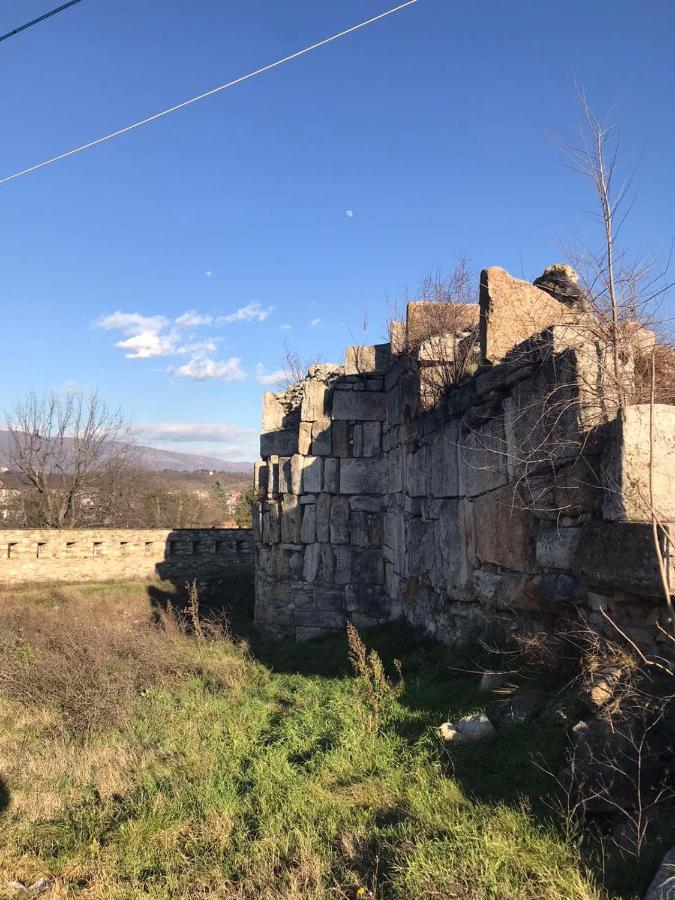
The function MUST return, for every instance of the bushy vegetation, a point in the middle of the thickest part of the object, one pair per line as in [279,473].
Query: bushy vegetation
[140,761]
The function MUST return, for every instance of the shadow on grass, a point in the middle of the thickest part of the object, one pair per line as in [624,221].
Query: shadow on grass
[513,766]
[4,796]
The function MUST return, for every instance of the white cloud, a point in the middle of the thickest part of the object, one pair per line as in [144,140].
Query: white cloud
[315,323]
[262,376]
[192,319]
[199,348]
[148,344]
[285,327]
[349,213]
[203,368]
[131,323]
[208,274]
[252,312]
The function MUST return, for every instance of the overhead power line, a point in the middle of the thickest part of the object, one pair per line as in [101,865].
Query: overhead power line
[210,93]
[47,15]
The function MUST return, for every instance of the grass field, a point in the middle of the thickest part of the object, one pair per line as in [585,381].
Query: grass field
[141,760]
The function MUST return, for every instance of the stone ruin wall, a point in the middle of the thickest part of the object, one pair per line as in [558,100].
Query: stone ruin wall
[514,496]
[102,554]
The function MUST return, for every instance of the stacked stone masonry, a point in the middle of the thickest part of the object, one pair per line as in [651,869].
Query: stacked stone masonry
[516,496]
[88,554]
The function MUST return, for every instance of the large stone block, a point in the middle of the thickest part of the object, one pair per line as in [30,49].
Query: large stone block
[368,567]
[315,401]
[358,406]
[322,444]
[452,553]
[291,517]
[312,562]
[331,475]
[363,476]
[339,520]
[260,479]
[312,472]
[504,532]
[443,459]
[305,438]
[626,476]
[368,359]
[278,443]
[619,555]
[425,318]
[556,547]
[418,473]
[308,529]
[323,517]
[542,420]
[285,484]
[482,456]
[273,413]
[342,447]
[367,439]
[511,311]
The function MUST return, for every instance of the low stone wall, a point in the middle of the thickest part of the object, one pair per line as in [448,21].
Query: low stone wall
[38,555]
[514,493]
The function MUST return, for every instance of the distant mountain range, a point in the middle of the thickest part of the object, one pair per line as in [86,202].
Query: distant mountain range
[155,459]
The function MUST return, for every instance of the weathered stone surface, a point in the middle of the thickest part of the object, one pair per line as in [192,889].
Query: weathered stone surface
[331,475]
[626,475]
[362,360]
[341,440]
[284,476]
[278,443]
[619,555]
[504,532]
[362,476]
[444,461]
[291,517]
[556,547]
[482,458]
[312,563]
[367,439]
[359,407]
[273,413]
[260,479]
[308,528]
[339,520]
[322,444]
[426,318]
[323,517]
[418,473]
[397,337]
[366,503]
[452,546]
[511,311]
[312,471]
[315,401]
[305,438]
[368,567]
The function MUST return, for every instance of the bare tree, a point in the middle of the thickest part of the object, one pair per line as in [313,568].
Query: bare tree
[72,452]
[622,292]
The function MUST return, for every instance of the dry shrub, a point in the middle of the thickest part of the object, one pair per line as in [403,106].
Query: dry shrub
[90,662]
[664,375]
[373,687]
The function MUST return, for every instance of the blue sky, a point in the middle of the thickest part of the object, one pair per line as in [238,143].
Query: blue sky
[168,267]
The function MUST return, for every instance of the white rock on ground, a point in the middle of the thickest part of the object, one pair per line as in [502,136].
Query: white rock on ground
[469,728]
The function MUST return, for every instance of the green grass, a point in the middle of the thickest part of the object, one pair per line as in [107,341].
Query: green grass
[265,778]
